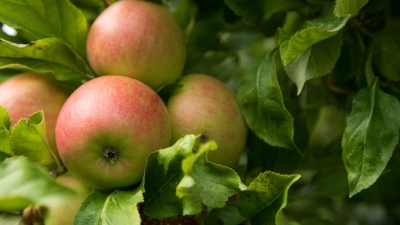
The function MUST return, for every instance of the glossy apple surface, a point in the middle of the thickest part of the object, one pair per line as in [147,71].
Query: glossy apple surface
[24,94]
[205,105]
[108,127]
[138,39]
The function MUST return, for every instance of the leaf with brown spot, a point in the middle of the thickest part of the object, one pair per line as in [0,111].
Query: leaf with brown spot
[48,18]
[49,55]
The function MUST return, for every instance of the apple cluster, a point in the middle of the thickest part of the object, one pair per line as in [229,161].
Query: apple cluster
[104,131]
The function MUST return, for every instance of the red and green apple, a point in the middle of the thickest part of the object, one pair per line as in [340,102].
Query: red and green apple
[206,106]
[108,127]
[138,39]
[24,94]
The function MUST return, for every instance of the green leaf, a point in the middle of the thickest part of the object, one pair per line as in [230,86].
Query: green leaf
[229,214]
[95,6]
[6,74]
[292,223]
[209,219]
[323,180]
[263,157]
[10,219]
[350,62]
[5,124]
[24,183]
[89,3]
[261,10]
[168,90]
[265,197]
[14,39]
[46,55]
[185,13]
[5,142]
[381,190]
[119,207]
[370,136]
[318,221]
[261,102]
[328,127]
[162,175]
[348,7]
[178,181]
[387,55]
[313,31]
[219,64]
[28,138]
[3,157]
[47,18]
[318,60]
[90,8]
[206,183]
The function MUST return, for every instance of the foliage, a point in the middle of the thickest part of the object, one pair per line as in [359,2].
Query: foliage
[317,82]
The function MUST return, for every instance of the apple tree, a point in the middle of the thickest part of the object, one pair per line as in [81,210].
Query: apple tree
[317,83]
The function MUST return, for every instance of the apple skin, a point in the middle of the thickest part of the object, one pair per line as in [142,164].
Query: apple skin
[108,127]
[205,105]
[64,214]
[24,94]
[138,39]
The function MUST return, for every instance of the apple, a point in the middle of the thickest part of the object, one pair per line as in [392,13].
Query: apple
[138,39]
[27,93]
[205,105]
[108,127]
[64,214]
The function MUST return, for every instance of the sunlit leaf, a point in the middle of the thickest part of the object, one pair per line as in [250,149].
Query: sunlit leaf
[5,124]
[24,183]
[118,207]
[5,121]
[47,18]
[28,138]
[10,219]
[207,183]
[180,180]
[318,60]
[162,175]
[46,55]
[349,7]
[312,32]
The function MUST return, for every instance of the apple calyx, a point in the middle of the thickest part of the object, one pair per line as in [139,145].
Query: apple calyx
[203,138]
[111,155]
